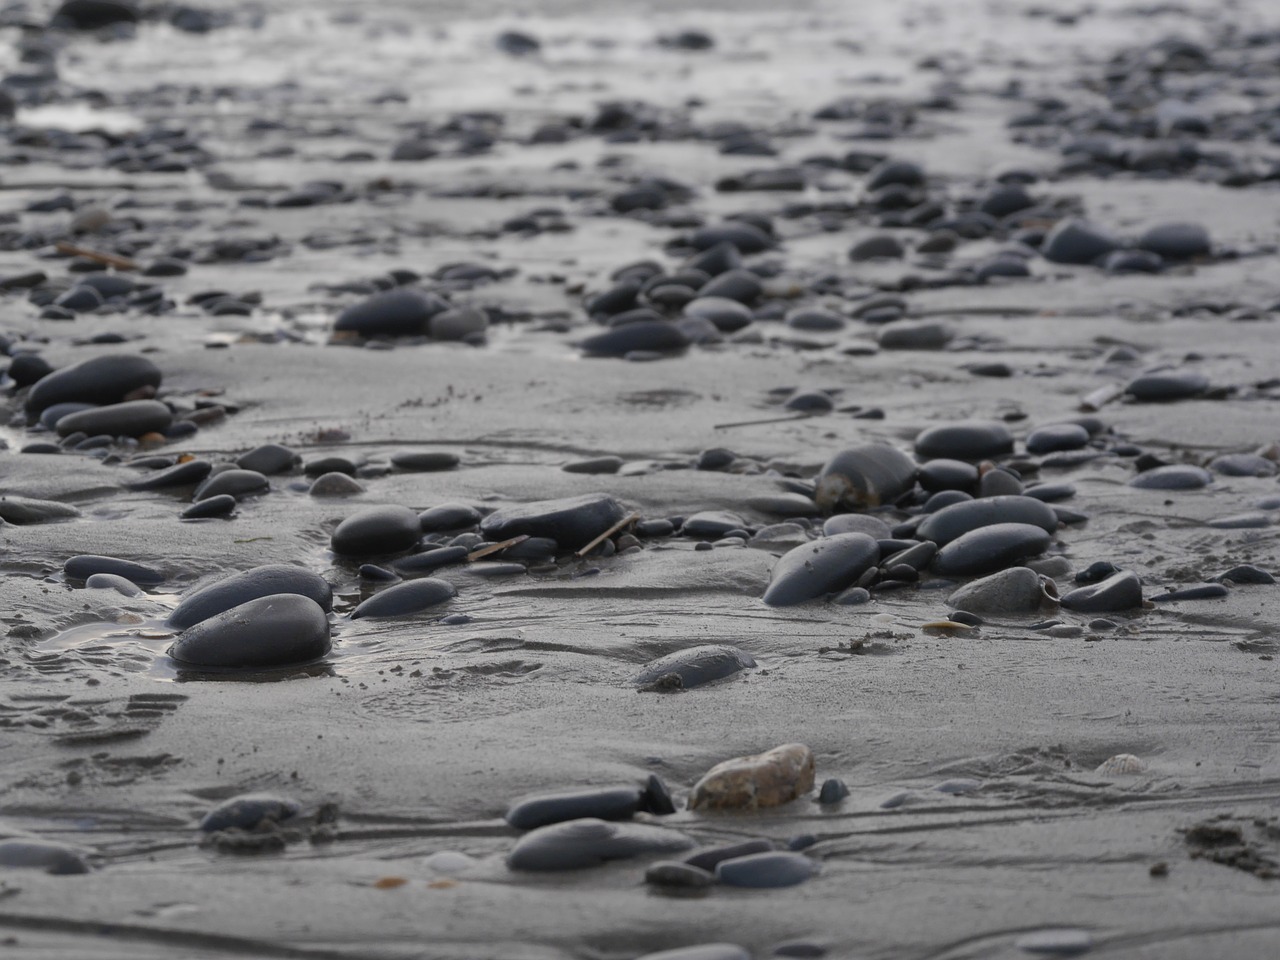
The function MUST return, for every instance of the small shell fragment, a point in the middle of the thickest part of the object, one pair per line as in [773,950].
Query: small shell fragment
[1120,765]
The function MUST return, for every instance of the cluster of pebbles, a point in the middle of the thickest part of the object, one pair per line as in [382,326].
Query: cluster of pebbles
[974,520]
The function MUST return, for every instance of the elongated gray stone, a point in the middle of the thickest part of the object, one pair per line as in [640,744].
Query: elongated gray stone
[404,312]
[268,632]
[602,803]
[264,581]
[951,523]
[572,522]
[990,548]
[85,566]
[1121,591]
[233,483]
[131,419]
[590,842]
[99,380]
[375,531]
[405,599]
[47,855]
[1177,476]
[823,566]
[965,440]
[1017,590]
[696,665]
[777,868]
[179,475]
[25,510]
[248,810]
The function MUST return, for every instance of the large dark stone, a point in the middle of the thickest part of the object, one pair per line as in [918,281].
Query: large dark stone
[572,522]
[265,581]
[131,419]
[404,312]
[100,380]
[376,531]
[271,631]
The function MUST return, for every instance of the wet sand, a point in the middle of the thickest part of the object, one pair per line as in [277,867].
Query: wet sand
[423,733]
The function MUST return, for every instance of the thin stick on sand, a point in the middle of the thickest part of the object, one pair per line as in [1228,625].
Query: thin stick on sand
[754,423]
[110,259]
[624,522]
[487,549]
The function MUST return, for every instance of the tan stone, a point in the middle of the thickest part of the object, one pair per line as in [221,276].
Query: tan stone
[767,779]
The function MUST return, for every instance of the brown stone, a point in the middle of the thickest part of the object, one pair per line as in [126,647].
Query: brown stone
[767,779]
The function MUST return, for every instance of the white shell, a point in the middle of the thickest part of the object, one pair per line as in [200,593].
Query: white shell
[1121,764]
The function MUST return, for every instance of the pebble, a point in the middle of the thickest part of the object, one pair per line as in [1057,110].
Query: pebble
[447,517]
[998,482]
[947,474]
[26,510]
[404,312]
[267,632]
[1176,241]
[990,548]
[966,440]
[59,859]
[572,522]
[234,483]
[1240,521]
[1121,764]
[1057,436]
[131,419]
[1077,242]
[335,485]
[673,873]
[262,581]
[424,461]
[219,506]
[1204,591]
[873,527]
[865,476]
[814,319]
[707,858]
[1178,476]
[1060,943]
[1243,465]
[430,560]
[100,380]
[602,803]
[1246,573]
[727,315]
[594,466]
[1167,386]
[85,566]
[914,335]
[695,666]
[778,868]
[590,842]
[657,336]
[701,951]
[768,779]
[318,468]
[405,599]
[376,531]
[460,323]
[832,791]
[1120,591]
[1050,492]
[951,523]
[800,948]
[179,475]
[823,566]
[248,811]
[269,459]
[109,581]
[1017,590]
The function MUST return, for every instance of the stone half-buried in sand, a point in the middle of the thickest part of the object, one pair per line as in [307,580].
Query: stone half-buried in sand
[274,631]
[822,566]
[767,779]
[870,475]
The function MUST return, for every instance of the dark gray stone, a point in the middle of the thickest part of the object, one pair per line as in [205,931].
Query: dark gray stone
[271,631]
[265,581]
[405,599]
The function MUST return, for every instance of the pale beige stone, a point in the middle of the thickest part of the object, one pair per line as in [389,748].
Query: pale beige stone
[767,779]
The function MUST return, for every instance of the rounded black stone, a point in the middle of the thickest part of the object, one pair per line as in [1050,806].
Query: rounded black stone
[603,803]
[179,475]
[405,599]
[377,530]
[965,440]
[268,632]
[219,506]
[100,380]
[572,522]
[823,566]
[403,312]
[85,566]
[990,548]
[268,459]
[265,581]
[235,483]
[131,419]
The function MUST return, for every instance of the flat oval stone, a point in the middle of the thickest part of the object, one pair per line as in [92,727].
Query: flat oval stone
[873,527]
[461,323]
[269,459]
[727,315]
[335,485]
[915,335]
[965,440]
[595,466]
[712,523]
[85,566]
[1176,241]
[375,531]
[741,285]
[951,523]
[248,810]
[1121,591]
[990,548]
[1017,590]
[1057,436]
[403,312]
[405,599]
[944,473]
[590,842]
[26,510]
[109,581]
[99,380]
[1075,241]
[602,803]
[131,419]
[747,237]
[673,873]
[659,336]
[233,483]
[1168,385]
[265,581]
[814,319]
[779,868]
[870,475]
[430,560]
[448,516]
[572,522]
[1178,476]
[424,461]
[769,779]
[696,665]
[1203,591]
[219,506]
[1246,573]
[179,475]
[1243,465]
[1065,942]
[59,859]
[823,566]
[702,951]
[707,858]
[268,632]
